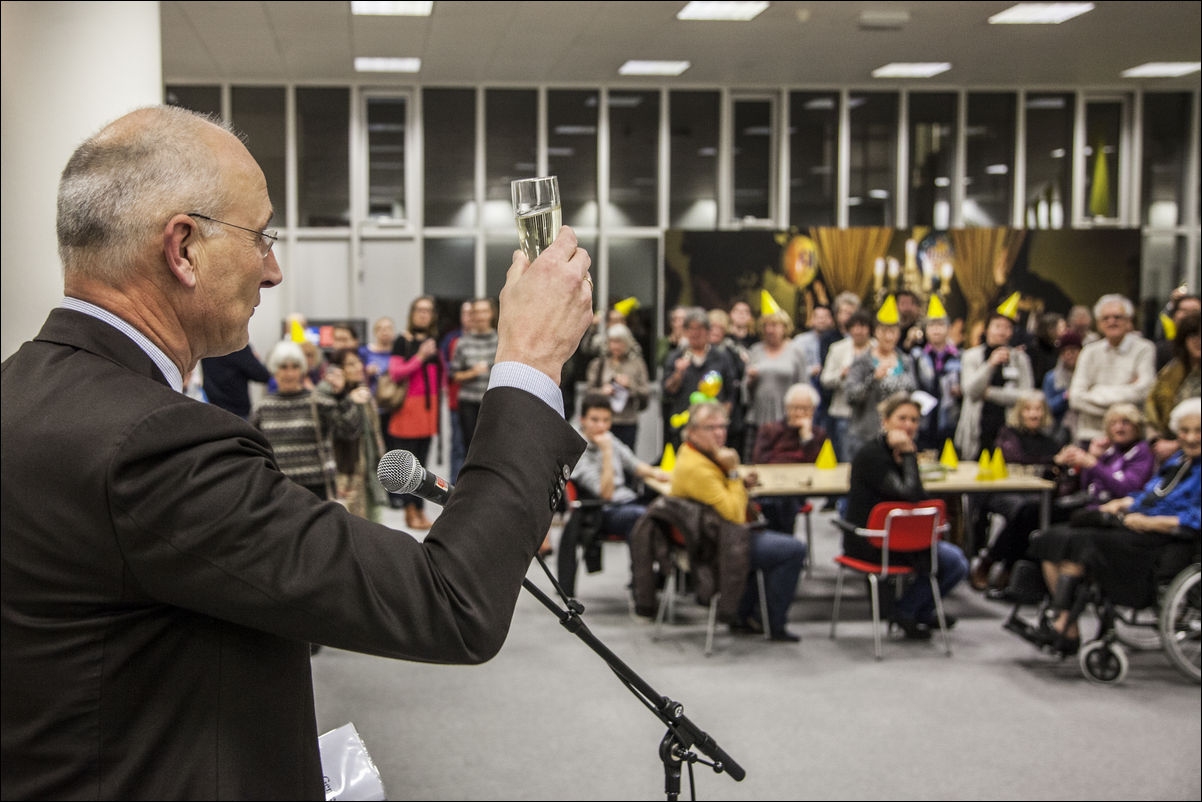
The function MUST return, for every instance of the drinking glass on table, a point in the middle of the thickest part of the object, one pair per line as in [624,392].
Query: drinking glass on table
[538,213]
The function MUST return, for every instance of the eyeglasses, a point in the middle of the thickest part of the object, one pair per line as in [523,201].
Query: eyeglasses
[713,427]
[267,237]
[1107,318]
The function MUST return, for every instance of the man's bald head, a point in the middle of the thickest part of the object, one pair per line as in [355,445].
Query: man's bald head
[121,185]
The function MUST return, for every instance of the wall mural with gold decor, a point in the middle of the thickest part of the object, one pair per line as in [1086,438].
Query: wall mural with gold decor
[971,270]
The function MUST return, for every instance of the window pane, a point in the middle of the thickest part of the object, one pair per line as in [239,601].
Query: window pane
[387,125]
[498,255]
[932,153]
[572,153]
[752,157]
[1166,145]
[258,112]
[511,119]
[693,201]
[323,157]
[1049,135]
[1103,124]
[633,158]
[813,151]
[1163,257]
[204,99]
[449,119]
[449,267]
[873,158]
[633,272]
[989,156]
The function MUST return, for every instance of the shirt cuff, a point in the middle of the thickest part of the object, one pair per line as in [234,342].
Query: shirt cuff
[532,380]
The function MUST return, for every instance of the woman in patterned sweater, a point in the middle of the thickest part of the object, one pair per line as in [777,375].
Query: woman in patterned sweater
[299,423]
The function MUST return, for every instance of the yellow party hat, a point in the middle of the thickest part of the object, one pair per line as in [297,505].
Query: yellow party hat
[1009,307]
[997,466]
[679,419]
[984,469]
[1169,325]
[888,312]
[296,331]
[948,458]
[627,305]
[768,305]
[935,308]
[826,457]
[668,462]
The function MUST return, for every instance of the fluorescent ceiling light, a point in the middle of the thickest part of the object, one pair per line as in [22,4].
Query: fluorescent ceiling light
[916,69]
[997,169]
[374,64]
[1163,69]
[635,67]
[575,130]
[1040,13]
[393,8]
[725,11]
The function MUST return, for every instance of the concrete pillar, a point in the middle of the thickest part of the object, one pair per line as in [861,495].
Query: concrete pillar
[67,69]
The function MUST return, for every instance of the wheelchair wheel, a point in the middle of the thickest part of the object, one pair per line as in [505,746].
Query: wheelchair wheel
[1181,622]
[1138,630]
[1103,662]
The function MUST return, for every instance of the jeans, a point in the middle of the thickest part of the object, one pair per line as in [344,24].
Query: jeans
[780,557]
[619,519]
[917,603]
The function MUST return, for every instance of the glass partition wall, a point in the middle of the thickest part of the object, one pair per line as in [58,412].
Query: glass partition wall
[431,166]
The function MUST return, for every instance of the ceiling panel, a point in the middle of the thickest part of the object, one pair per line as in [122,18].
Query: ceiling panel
[808,43]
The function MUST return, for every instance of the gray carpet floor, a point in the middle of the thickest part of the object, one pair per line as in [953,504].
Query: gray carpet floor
[546,719]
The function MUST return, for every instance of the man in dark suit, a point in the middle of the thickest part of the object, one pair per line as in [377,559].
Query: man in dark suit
[162,580]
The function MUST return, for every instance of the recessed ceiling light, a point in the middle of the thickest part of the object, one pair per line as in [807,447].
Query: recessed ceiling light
[917,69]
[392,8]
[375,64]
[1040,13]
[725,11]
[635,67]
[1163,69]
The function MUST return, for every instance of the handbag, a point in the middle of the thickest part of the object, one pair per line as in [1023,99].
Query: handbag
[390,395]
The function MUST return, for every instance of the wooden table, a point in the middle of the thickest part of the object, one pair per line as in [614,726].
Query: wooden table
[804,479]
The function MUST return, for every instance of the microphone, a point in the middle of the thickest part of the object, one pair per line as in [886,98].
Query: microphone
[400,472]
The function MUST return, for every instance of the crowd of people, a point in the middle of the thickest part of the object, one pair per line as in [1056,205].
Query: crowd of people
[1087,409]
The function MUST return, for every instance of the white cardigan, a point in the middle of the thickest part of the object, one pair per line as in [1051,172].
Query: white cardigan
[975,376]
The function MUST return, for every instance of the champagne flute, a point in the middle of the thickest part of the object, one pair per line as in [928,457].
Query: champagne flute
[538,213]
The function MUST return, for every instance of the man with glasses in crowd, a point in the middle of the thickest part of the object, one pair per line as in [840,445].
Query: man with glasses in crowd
[1116,368]
[162,579]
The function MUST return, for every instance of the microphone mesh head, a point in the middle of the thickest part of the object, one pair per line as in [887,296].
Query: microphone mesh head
[397,472]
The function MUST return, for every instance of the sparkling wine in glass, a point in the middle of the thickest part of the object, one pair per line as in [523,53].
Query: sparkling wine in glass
[538,213]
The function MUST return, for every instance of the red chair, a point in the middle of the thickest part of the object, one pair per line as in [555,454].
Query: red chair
[896,527]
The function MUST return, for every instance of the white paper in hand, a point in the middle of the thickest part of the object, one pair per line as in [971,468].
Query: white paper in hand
[349,771]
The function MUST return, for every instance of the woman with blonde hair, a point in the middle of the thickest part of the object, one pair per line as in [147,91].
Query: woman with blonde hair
[774,365]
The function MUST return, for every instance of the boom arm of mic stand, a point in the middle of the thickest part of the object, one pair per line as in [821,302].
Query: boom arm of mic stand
[671,713]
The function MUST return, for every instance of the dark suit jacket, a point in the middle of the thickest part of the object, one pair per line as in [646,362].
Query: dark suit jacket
[162,579]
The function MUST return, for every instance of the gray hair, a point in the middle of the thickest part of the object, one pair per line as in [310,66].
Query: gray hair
[695,314]
[1189,408]
[1113,298]
[704,410]
[796,391]
[847,298]
[285,352]
[619,331]
[121,185]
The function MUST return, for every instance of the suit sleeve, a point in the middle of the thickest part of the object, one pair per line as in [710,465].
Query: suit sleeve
[205,521]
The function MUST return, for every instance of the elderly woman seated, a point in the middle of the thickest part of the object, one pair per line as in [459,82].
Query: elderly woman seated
[886,469]
[1133,543]
[794,439]
[1112,467]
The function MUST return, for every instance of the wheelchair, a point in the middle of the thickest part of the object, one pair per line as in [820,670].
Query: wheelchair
[1175,623]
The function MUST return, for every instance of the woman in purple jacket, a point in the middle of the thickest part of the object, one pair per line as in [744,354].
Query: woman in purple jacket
[1112,467]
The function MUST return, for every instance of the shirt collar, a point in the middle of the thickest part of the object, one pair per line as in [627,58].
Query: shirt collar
[165,365]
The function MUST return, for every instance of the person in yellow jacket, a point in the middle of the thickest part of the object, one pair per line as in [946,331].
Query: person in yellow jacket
[706,472]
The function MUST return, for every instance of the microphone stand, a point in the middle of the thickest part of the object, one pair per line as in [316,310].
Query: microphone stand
[676,747]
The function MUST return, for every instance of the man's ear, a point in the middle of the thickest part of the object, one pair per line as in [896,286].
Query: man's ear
[180,248]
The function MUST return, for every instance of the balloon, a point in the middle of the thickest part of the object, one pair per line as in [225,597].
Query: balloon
[711,384]
[698,397]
